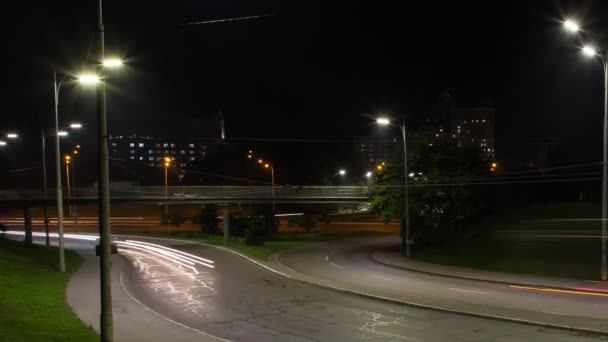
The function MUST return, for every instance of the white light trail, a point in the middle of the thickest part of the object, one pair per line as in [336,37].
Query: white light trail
[187,255]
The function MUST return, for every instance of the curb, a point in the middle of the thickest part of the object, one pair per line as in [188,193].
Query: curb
[493,281]
[277,257]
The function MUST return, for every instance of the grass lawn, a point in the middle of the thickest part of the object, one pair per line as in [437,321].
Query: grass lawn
[32,300]
[279,243]
[526,248]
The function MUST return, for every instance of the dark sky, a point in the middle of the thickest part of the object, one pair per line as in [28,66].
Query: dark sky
[310,69]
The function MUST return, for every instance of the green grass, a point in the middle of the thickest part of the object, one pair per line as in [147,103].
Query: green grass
[279,243]
[32,300]
[487,246]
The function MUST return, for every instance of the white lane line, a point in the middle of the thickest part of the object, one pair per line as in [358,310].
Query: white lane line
[377,276]
[330,254]
[471,291]
[557,313]
[331,263]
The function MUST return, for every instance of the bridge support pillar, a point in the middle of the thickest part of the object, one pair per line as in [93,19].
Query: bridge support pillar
[226,222]
[27,221]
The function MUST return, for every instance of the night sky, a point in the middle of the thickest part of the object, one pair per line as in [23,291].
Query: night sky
[306,71]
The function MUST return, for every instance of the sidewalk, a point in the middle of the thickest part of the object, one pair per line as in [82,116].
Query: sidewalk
[132,321]
[395,259]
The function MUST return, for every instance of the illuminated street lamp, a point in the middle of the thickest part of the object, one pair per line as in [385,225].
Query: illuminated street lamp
[167,164]
[12,135]
[405,238]
[88,79]
[368,174]
[591,51]
[571,25]
[112,63]
[2,143]
[340,172]
[75,125]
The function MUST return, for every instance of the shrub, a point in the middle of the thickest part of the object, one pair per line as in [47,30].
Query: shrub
[207,219]
[172,219]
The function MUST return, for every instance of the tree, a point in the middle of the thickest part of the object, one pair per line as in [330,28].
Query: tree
[172,219]
[440,193]
[208,220]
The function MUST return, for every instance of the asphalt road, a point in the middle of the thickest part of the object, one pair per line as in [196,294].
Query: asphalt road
[231,298]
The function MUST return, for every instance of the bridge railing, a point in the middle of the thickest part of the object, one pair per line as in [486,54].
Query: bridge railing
[245,192]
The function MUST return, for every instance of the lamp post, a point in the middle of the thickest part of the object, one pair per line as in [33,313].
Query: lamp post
[67,177]
[591,51]
[167,164]
[340,172]
[405,238]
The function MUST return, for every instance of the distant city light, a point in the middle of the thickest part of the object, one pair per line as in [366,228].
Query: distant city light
[342,172]
[88,79]
[589,50]
[571,25]
[368,174]
[412,175]
[383,121]
[12,136]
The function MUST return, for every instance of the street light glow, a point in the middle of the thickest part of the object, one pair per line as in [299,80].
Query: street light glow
[62,133]
[383,121]
[342,172]
[75,125]
[12,136]
[368,174]
[589,50]
[112,63]
[88,79]
[2,143]
[571,25]
[260,161]
[266,165]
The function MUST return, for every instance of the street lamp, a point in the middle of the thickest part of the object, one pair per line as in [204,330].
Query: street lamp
[12,135]
[405,238]
[167,164]
[340,172]
[368,174]
[591,51]
[2,143]
[112,63]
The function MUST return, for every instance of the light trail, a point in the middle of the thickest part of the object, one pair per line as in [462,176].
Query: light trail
[558,291]
[171,250]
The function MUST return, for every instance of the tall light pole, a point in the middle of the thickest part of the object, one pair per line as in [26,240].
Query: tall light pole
[67,177]
[340,172]
[591,51]
[46,192]
[167,164]
[405,238]
[58,176]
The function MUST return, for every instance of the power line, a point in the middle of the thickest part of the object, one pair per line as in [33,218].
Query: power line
[215,21]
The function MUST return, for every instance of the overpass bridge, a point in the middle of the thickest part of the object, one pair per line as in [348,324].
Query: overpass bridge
[195,195]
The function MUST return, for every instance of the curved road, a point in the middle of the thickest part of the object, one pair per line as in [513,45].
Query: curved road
[348,262]
[223,295]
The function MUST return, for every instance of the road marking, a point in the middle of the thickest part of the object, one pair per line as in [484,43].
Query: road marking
[331,263]
[557,313]
[330,254]
[558,291]
[471,291]
[377,276]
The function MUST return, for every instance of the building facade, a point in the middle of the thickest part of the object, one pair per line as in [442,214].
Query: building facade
[153,150]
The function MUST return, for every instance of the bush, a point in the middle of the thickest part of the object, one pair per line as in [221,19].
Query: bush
[3,227]
[238,224]
[208,220]
[172,219]
[256,232]
[305,221]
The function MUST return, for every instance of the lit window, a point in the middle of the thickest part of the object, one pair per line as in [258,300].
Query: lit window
[150,152]
[192,158]
[204,154]
[141,158]
[165,145]
[131,144]
[151,158]
[157,145]
[172,152]
[191,145]
[159,158]
[191,152]
[141,144]
[204,147]
[132,151]
[483,120]
[182,152]
[132,158]
[113,144]
[437,135]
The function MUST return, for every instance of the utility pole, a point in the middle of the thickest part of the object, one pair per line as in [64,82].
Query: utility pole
[46,193]
[604,266]
[58,177]
[106,326]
